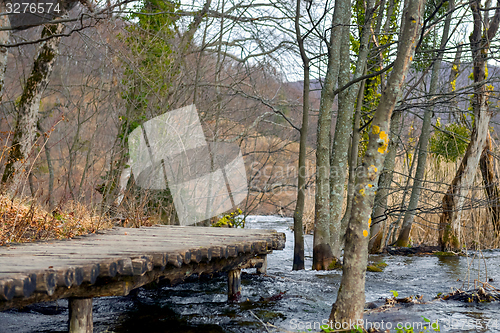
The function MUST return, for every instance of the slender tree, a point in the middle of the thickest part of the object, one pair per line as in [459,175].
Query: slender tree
[484,30]
[322,251]
[343,127]
[298,252]
[4,39]
[351,297]
[353,155]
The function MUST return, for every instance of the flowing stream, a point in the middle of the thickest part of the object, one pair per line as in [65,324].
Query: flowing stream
[290,300]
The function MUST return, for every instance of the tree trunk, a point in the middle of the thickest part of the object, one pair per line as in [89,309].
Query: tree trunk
[453,201]
[450,221]
[351,297]
[4,52]
[29,104]
[50,167]
[353,157]
[114,188]
[378,224]
[298,251]
[423,142]
[322,252]
[340,144]
[343,127]
[490,179]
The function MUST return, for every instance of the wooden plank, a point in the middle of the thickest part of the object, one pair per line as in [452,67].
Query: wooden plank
[125,267]
[90,273]
[122,246]
[97,250]
[160,259]
[142,265]
[48,262]
[175,260]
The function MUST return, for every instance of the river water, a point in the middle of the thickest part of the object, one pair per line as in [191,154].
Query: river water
[289,300]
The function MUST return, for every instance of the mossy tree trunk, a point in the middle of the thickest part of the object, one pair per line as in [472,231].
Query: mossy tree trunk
[343,126]
[50,166]
[17,167]
[322,252]
[450,232]
[351,297]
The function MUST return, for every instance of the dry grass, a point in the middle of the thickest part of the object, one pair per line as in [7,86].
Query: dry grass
[477,228]
[23,221]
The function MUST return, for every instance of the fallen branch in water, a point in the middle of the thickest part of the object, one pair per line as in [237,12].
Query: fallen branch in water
[482,292]
[264,324]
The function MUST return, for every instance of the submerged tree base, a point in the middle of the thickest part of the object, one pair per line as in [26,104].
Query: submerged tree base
[322,257]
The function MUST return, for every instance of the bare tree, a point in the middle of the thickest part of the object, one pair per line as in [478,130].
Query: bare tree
[298,253]
[351,297]
[485,29]
[29,104]
[322,251]
[4,39]
[343,127]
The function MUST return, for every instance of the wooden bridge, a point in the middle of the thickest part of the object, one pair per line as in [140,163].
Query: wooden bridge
[116,261]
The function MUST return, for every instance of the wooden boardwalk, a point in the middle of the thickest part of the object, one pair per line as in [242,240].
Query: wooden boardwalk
[116,261]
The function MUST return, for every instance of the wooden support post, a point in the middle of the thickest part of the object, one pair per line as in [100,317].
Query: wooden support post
[263,268]
[80,315]
[234,285]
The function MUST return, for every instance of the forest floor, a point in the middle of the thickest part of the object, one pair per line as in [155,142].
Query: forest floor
[25,221]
